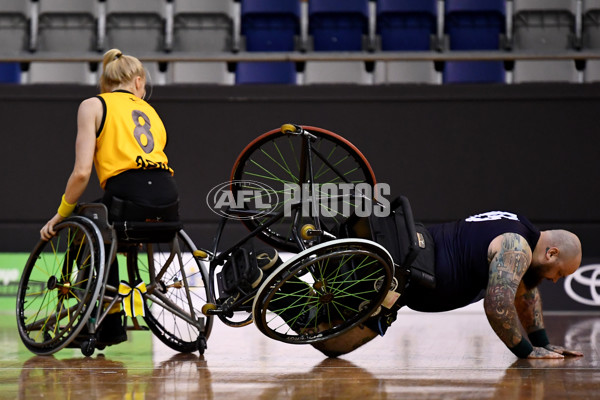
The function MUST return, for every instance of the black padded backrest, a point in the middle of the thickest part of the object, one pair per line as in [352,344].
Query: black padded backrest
[396,232]
[410,244]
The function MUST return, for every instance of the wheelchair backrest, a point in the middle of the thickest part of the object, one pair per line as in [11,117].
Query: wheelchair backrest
[409,244]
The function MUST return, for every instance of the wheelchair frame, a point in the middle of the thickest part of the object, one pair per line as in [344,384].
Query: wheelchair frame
[67,308]
[330,285]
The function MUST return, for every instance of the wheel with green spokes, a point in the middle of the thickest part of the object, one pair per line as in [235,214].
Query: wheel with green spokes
[59,286]
[323,291]
[321,161]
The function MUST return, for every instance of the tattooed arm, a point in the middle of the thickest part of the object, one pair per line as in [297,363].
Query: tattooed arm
[509,256]
[529,307]
[528,304]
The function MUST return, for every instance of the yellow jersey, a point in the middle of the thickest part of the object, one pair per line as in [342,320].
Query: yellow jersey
[131,136]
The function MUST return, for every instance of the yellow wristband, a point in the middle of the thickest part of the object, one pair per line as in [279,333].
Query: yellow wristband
[65,209]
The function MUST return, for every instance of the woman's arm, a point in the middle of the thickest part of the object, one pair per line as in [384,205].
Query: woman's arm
[89,116]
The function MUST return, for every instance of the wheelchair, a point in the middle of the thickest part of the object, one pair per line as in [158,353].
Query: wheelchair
[338,276]
[64,296]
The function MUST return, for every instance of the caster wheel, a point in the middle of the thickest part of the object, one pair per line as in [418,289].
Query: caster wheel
[208,307]
[306,231]
[202,345]
[88,347]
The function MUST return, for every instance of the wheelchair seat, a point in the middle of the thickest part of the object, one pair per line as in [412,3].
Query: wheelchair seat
[138,223]
[146,232]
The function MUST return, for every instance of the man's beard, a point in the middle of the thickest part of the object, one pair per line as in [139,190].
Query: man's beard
[532,278]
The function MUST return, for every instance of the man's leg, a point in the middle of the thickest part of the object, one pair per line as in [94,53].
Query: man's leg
[359,335]
[346,342]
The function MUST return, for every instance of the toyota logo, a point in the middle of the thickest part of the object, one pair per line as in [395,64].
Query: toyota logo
[583,286]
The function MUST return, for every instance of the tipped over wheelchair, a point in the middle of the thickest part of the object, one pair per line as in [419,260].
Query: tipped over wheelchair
[306,191]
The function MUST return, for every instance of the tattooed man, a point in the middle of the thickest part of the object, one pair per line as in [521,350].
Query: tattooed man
[496,256]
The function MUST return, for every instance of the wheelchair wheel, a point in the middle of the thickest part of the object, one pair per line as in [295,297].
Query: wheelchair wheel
[275,159]
[323,291]
[59,286]
[176,292]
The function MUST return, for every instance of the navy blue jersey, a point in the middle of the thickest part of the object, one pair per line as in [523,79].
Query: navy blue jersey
[462,268]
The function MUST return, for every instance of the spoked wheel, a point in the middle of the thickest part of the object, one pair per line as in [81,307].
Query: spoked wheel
[176,293]
[323,291]
[275,159]
[59,286]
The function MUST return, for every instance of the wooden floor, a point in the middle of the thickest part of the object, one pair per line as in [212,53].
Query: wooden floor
[423,356]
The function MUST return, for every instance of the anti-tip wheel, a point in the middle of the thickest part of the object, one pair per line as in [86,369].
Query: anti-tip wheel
[88,347]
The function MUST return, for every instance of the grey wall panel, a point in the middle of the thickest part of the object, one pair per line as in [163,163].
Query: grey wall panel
[453,150]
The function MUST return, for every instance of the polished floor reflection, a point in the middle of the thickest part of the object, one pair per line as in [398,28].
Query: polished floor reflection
[442,356]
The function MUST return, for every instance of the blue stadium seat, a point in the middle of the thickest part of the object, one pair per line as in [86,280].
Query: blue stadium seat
[406,25]
[273,72]
[475,24]
[270,25]
[10,72]
[474,72]
[338,25]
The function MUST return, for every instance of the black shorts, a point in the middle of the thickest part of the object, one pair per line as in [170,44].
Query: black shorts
[138,195]
[144,187]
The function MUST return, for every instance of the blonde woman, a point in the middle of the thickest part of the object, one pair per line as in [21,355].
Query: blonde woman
[124,138]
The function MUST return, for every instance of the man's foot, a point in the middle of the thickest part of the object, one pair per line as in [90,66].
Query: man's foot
[267,258]
[245,271]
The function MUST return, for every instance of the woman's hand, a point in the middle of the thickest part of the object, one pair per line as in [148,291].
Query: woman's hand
[47,232]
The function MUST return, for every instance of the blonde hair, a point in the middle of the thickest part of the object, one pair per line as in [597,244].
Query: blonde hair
[119,68]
